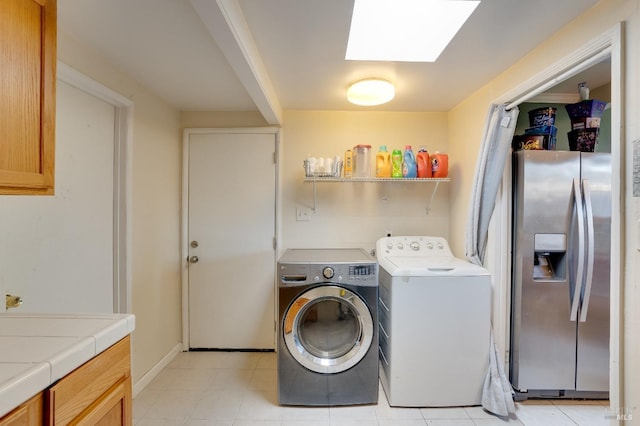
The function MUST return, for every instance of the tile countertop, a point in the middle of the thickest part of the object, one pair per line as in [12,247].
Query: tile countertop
[36,350]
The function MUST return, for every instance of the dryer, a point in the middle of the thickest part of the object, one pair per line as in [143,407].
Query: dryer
[435,324]
[328,319]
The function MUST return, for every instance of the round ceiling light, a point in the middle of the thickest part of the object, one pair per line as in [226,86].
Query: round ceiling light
[371,91]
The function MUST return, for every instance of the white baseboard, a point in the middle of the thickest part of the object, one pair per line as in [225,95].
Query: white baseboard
[151,374]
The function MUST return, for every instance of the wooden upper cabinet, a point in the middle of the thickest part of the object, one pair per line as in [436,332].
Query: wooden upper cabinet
[27,96]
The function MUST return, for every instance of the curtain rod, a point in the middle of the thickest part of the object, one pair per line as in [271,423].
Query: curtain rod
[599,57]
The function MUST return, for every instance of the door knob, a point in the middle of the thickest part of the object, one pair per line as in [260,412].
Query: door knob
[13,301]
[193,259]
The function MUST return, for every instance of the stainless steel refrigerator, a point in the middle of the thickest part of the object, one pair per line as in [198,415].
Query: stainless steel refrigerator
[561,279]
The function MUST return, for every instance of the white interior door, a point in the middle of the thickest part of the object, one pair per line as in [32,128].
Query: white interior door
[231,231]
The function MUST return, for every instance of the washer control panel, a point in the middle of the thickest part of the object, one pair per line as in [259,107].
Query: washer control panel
[355,273]
[298,267]
[412,246]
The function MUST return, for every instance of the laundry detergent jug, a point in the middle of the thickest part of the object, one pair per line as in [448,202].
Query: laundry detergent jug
[409,166]
[440,165]
[383,163]
[424,163]
[396,164]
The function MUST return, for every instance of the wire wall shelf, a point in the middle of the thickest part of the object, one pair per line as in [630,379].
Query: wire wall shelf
[326,179]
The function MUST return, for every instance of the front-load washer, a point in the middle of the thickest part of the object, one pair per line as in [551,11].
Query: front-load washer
[328,320]
[435,324]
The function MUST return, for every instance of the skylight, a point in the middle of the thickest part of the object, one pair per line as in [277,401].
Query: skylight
[405,30]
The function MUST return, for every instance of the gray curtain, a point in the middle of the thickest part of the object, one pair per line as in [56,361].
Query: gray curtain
[497,394]
[494,151]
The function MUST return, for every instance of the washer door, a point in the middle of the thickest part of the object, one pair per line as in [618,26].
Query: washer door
[328,329]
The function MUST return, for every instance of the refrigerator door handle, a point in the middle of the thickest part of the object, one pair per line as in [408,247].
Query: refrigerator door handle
[586,189]
[577,285]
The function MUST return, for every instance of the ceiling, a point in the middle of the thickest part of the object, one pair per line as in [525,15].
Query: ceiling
[270,55]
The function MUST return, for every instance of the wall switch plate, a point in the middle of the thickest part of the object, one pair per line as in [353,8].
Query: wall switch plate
[303,214]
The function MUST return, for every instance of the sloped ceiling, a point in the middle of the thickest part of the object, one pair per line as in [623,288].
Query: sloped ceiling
[270,55]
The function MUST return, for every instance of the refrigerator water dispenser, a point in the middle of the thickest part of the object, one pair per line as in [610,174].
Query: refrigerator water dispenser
[550,260]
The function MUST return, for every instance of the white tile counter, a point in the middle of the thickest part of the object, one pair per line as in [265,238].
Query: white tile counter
[38,349]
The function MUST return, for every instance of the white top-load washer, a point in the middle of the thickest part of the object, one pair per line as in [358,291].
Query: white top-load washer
[435,323]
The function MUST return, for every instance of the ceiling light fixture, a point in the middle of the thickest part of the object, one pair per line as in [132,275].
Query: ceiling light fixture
[370,91]
[405,30]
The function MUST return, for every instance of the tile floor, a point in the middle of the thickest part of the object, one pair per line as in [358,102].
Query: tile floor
[239,389]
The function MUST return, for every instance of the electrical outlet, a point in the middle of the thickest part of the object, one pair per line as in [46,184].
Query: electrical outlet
[303,214]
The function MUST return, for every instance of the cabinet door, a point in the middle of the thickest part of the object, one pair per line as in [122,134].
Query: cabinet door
[100,385]
[28,414]
[27,96]
[111,409]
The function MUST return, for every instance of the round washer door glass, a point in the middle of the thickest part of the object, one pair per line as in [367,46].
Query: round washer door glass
[328,329]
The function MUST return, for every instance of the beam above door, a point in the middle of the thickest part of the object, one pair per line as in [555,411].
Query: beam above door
[226,24]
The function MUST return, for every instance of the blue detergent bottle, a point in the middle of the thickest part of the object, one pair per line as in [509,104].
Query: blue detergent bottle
[409,166]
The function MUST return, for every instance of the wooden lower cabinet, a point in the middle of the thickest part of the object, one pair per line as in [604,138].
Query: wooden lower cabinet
[112,408]
[96,393]
[28,414]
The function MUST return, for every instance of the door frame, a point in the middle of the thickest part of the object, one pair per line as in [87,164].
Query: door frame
[123,148]
[500,228]
[184,237]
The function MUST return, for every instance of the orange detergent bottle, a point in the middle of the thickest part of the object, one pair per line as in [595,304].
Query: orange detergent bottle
[383,163]
[440,165]
[424,163]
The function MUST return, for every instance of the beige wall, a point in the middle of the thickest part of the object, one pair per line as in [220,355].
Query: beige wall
[155,227]
[226,119]
[357,214]
[466,122]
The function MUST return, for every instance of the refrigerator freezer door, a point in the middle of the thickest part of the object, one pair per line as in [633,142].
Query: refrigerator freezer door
[593,333]
[543,347]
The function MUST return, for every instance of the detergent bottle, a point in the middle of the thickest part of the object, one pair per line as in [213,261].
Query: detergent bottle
[440,165]
[383,163]
[424,163]
[348,163]
[396,164]
[409,166]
